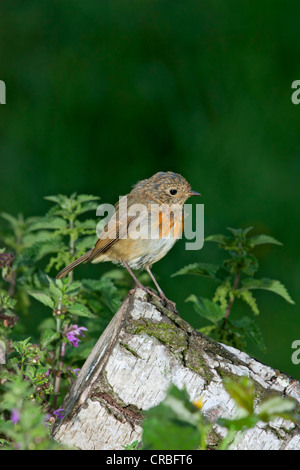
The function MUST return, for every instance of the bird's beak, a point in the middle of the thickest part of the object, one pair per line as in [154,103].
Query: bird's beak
[194,193]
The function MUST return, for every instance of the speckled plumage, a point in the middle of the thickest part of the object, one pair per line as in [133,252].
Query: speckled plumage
[162,198]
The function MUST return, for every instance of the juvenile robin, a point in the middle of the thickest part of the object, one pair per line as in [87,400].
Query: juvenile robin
[146,224]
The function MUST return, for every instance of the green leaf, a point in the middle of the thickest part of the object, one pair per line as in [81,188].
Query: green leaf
[44,248]
[81,310]
[239,423]
[107,289]
[251,329]
[87,198]
[248,297]
[132,446]
[43,298]
[261,240]
[46,223]
[172,424]
[267,284]
[277,406]
[55,291]
[207,308]
[48,336]
[242,391]
[218,238]
[200,269]
[239,232]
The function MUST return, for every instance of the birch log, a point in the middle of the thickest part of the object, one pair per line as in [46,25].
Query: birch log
[144,349]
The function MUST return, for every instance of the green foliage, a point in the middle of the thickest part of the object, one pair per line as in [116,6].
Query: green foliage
[40,369]
[236,280]
[41,364]
[177,424]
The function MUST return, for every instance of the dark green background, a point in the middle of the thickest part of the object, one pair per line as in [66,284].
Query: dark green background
[101,94]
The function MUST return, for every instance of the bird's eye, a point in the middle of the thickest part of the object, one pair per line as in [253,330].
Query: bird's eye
[173,192]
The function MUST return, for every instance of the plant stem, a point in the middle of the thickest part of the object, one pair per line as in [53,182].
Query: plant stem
[72,245]
[230,302]
[56,384]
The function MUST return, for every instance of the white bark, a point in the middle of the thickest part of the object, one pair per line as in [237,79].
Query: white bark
[144,349]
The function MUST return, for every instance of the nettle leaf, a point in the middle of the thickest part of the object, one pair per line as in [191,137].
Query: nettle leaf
[249,298]
[73,288]
[207,308]
[85,207]
[249,265]
[48,336]
[80,310]
[43,298]
[242,392]
[239,232]
[87,197]
[200,269]
[277,406]
[267,284]
[107,289]
[85,243]
[172,424]
[218,238]
[54,288]
[59,199]
[261,240]
[250,328]
[239,423]
[44,248]
[47,222]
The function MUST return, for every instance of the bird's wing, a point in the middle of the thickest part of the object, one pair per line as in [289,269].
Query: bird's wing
[121,225]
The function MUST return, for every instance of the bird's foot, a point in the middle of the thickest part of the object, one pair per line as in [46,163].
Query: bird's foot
[169,303]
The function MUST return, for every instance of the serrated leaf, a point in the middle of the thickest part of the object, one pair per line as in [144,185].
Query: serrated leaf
[73,288]
[81,310]
[239,423]
[218,238]
[48,336]
[242,392]
[172,424]
[43,298]
[108,290]
[59,199]
[200,269]
[46,223]
[248,297]
[55,291]
[239,232]
[251,329]
[277,407]
[207,308]
[267,284]
[261,240]
[44,248]
[87,197]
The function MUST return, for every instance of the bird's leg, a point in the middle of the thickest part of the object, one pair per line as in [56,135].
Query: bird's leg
[126,265]
[162,295]
[138,283]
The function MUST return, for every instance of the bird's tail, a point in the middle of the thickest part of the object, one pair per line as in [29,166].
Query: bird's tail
[73,265]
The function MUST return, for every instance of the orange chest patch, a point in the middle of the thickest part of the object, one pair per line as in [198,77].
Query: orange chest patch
[170,224]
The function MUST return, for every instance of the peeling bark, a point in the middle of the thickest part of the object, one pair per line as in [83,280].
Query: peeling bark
[144,349]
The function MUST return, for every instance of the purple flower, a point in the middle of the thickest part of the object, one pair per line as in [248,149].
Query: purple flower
[15,415]
[76,371]
[73,333]
[58,412]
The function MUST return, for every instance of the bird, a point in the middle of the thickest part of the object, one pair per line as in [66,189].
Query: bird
[145,225]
